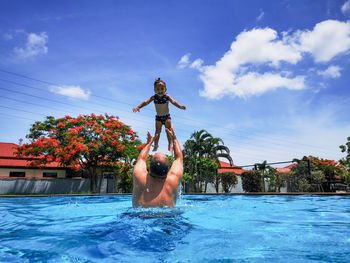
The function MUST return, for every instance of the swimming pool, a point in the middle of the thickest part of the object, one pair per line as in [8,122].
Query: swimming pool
[202,228]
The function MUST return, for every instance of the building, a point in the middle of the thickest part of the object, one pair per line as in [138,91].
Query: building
[286,169]
[227,168]
[12,166]
[19,176]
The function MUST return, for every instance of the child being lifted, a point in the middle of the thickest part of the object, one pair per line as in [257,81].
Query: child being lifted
[161,101]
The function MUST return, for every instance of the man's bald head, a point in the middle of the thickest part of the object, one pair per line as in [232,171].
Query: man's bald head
[159,166]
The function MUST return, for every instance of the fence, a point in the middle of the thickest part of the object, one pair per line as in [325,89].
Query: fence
[53,186]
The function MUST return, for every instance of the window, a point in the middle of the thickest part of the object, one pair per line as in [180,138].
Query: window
[17,174]
[51,175]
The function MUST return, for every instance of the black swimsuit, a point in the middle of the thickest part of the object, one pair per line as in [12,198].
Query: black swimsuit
[162,100]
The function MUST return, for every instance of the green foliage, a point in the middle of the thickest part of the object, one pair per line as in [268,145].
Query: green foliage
[124,172]
[276,180]
[312,174]
[87,141]
[187,177]
[228,180]
[251,181]
[201,159]
[346,177]
[330,168]
[303,185]
[346,149]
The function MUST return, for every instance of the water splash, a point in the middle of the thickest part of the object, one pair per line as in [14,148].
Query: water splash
[179,194]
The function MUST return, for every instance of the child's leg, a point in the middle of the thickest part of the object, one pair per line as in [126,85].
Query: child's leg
[170,141]
[157,134]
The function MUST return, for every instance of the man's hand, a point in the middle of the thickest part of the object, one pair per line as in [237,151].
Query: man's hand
[183,107]
[136,109]
[149,138]
[171,133]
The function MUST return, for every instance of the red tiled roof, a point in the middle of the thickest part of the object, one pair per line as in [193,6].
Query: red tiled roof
[286,169]
[7,149]
[236,171]
[9,159]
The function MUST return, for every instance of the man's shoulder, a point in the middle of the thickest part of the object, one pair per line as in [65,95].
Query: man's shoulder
[174,176]
[140,170]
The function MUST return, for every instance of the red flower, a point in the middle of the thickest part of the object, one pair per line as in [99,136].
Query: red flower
[60,125]
[49,158]
[73,131]
[140,147]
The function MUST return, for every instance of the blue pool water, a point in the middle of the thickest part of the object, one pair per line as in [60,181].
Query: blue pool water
[202,228]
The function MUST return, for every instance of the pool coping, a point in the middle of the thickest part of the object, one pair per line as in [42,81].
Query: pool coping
[254,193]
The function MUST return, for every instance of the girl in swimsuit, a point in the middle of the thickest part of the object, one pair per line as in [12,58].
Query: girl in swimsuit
[161,102]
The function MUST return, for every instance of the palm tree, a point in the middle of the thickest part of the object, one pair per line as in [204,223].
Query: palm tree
[203,144]
[194,150]
[216,149]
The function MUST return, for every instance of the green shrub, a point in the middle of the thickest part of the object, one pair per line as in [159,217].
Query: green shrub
[228,180]
[251,181]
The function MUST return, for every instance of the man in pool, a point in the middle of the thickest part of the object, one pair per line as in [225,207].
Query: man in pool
[159,186]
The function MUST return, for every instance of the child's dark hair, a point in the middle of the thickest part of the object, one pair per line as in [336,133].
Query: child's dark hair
[159,81]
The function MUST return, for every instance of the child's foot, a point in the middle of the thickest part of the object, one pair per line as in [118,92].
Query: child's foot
[155,148]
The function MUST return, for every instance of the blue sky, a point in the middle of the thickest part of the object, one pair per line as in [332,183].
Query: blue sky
[268,77]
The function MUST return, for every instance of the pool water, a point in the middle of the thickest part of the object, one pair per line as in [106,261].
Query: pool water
[202,228]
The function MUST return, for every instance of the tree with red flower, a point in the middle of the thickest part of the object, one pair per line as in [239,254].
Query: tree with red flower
[85,142]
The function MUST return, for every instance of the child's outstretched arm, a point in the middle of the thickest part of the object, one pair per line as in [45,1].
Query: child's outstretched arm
[146,102]
[175,103]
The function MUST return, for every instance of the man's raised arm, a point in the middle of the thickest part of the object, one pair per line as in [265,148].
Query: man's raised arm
[177,167]
[140,165]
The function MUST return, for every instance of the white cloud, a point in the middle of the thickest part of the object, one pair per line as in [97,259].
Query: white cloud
[261,15]
[257,59]
[346,7]
[246,85]
[255,47]
[327,40]
[184,61]
[74,92]
[197,64]
[330,72]
[35,45]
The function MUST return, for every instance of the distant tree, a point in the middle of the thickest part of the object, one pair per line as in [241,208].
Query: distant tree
[315,174]
[87,141]
[228,180]
[193,151]
[251,181]
[124,172]
[346,160]
[276,180]
[201,158]
[263,168]
[216,149]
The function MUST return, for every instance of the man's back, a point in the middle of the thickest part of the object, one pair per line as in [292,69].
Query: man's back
[155,192]
[151,189]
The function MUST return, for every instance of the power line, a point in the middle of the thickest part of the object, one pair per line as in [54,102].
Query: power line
[244,153]
[253,165]
[16,116]
[35,104]
[242,136]
[46,82]
[22,110]
[186,118]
